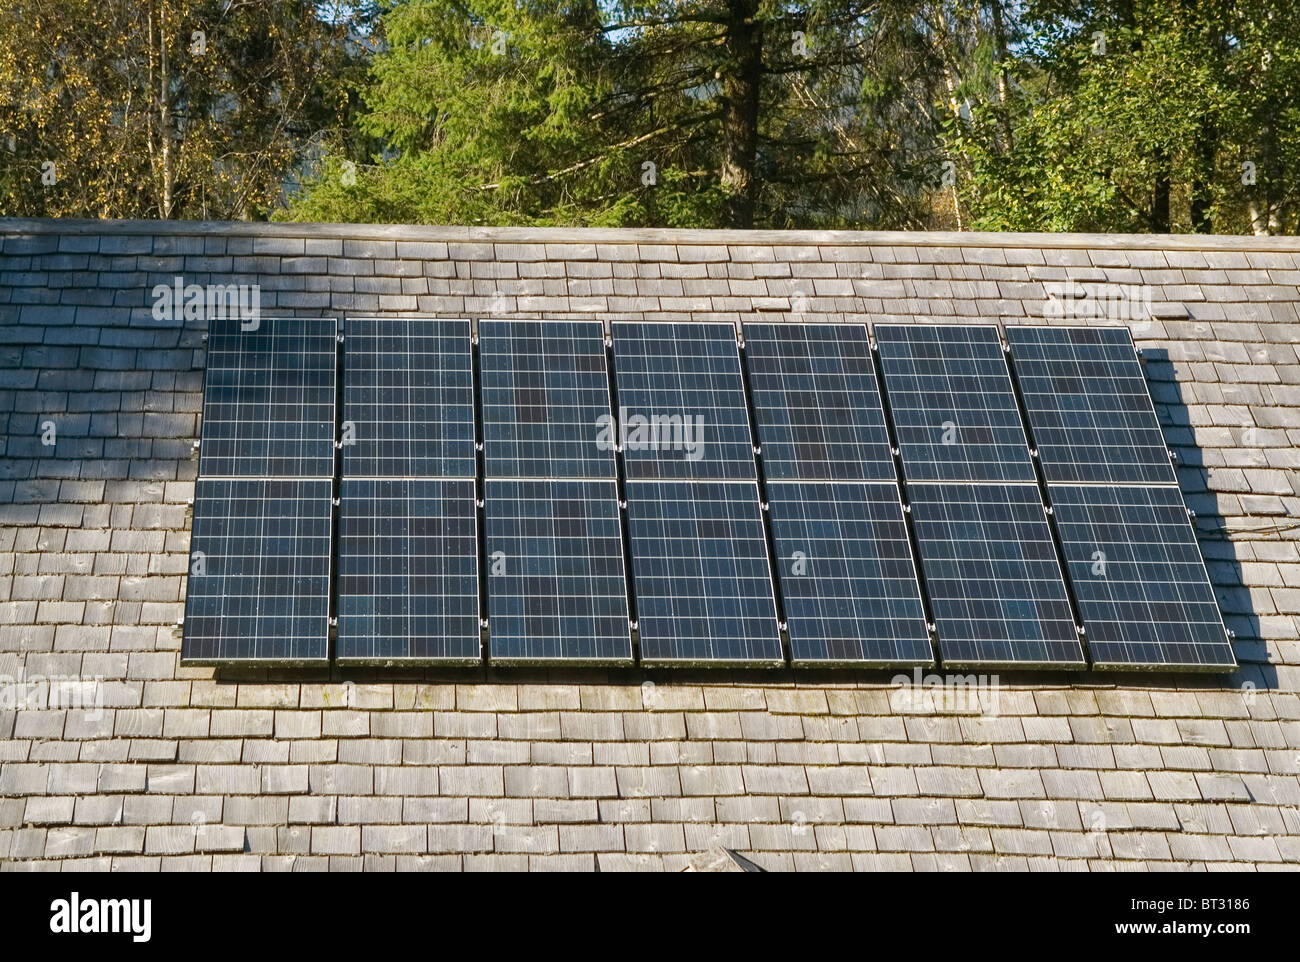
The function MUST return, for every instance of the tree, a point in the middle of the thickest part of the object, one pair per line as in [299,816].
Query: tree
[1083,115]
[1144,115]
[164,108]
[714,113]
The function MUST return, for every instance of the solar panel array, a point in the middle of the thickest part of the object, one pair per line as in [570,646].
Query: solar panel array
[1140,582]
[259,581]
[843,552]
[557,590]
[408,542]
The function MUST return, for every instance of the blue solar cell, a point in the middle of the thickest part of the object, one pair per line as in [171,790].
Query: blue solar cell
[408,572]
[556,586]
[1088,405]
[259,582]
[268,401]
[816,402]
[701,574]
[545,390]
[682,403]
[954,410]
[408,398]
[847,579]
[991,571]
[1137,573]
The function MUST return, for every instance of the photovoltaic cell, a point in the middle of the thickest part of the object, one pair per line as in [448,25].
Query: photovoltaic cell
[700,567]
[408,398]
[1141,584]
[991,571]
[816,402]
[545,390]
[408,538]
[850,589]
[682,401]
[954,410]
[268,402]
[1088,405]
[408,572]
[556,586]
[259,582]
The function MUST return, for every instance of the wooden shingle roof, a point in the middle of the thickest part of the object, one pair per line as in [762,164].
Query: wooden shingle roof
[197,768]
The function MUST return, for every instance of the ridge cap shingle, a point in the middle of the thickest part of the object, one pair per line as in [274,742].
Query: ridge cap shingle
[623,235]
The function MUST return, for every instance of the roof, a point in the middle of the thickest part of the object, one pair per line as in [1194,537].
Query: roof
[199,768]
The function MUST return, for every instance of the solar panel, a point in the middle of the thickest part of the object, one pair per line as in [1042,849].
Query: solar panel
[847,579]
[700,568]
[408,572]
[408,398]
[996,590]
[259,582]
[545,389]
[268,401]
[681,396]
[816,402]
[953,407]
[1088,405]
[1137,573]
[556,586]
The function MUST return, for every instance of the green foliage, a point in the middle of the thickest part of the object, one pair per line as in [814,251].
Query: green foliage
[170,108]
[478,106]
[710,113]
[626,114]
[1184,94]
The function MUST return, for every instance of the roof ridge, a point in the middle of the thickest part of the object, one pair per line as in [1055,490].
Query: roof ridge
[638,235]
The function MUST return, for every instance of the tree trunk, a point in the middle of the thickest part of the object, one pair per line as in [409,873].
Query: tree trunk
[956,112]
[1160,199]
[1206,148]
[148,112]
[742,76]
[950,82]
[1000,47]
[165,118]
[1268,181]
[1202,198]
[1258,222]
